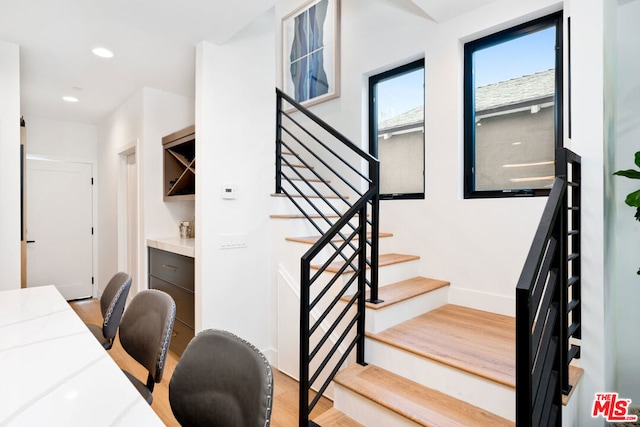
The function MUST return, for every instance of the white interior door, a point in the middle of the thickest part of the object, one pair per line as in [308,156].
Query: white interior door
[59,227]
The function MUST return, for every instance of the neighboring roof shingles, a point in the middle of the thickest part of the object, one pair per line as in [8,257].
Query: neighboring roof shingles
[509,92]
[515,91]
[415,116]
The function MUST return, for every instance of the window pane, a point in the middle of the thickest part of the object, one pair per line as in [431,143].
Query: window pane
[400,132]
[511,115]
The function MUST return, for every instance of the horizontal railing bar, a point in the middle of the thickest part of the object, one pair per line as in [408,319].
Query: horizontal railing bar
[317,211]
[329,331]
[326,127]
[572,281]
[544,368]
[547,403]
[543,232]
[572,256]
[334,348]
[546,299]
[322,144]
[543,277]
[573,328]
[330,234]
[333,373]
[574,353]
[313,153]
[572,305]
[544,328]
[341,270]
[331,305]
[313,187]
[573,232]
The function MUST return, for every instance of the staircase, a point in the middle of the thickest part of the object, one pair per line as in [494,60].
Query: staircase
[428,362]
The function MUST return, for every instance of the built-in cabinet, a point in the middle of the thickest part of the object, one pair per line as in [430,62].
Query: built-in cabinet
[174,274]
[180,164]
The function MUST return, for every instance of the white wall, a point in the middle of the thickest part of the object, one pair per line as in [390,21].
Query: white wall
[10,165]
[60,140]
[235,123]
[625,249]
[145,118]
[590,88]
[478,245]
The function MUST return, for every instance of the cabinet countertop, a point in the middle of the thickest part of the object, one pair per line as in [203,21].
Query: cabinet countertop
[176,245]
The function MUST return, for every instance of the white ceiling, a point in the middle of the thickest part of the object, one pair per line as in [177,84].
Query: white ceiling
[154,42]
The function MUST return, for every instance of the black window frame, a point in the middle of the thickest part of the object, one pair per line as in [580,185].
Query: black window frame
[373,121]
[554,19]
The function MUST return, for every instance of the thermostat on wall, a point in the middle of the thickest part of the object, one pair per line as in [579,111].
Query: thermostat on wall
[229,191]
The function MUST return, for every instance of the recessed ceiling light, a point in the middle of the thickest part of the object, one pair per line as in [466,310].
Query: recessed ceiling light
[102,52]
[70,98]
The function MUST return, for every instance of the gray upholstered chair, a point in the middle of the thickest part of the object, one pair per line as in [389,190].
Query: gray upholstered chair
[221,380]
[112,304]
[145,333]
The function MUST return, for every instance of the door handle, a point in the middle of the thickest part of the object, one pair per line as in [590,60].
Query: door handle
[31,241]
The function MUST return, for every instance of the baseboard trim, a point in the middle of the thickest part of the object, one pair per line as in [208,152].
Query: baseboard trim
[494,303]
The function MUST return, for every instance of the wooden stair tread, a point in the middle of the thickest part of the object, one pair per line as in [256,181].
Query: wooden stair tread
[402,291]
[383,260]
[575,374]
[416,402]
[474,341]
[313,239]
[335,418]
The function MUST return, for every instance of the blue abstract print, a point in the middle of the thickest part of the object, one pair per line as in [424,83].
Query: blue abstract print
[307,53]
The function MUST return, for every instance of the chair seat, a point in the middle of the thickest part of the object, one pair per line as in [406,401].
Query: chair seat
[97,332]
[140,386]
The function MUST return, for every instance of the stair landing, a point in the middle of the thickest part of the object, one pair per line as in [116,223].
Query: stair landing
[474,341]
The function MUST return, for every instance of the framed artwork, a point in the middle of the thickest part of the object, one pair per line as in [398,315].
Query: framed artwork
[311,52]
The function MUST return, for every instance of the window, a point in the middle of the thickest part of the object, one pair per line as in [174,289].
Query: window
[513,110]
[396,130]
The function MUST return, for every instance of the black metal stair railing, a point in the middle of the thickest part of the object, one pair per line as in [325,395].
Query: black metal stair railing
[548,302]
[334,184]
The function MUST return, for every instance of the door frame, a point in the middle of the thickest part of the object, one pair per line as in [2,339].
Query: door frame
[123,208]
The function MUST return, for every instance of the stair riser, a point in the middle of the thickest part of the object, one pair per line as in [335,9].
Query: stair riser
[299,248]
[477,391]
[366,411]
[381,319]
[386,274]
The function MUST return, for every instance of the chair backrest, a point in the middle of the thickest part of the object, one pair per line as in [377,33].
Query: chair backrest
[145,330]
[221,380]
[112,303]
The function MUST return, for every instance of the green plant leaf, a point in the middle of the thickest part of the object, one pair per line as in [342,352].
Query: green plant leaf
[637,215]
[633,199]
[629,173]
[637,158]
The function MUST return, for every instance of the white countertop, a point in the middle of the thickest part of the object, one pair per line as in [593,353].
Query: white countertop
[55,373]
[176,245]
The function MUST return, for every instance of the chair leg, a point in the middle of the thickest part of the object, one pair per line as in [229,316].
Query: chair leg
[150,383]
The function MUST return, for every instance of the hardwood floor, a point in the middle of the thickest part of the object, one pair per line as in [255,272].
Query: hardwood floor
[285,395]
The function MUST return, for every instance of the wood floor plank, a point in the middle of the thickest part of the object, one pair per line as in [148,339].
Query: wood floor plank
[335,418]
[424,406]
[474,341]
